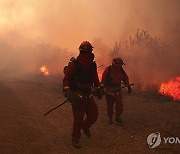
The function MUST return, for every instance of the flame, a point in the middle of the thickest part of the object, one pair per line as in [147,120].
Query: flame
[44,70]
[171,88]
[100,72]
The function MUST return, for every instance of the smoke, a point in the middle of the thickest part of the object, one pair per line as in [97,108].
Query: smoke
[35,33]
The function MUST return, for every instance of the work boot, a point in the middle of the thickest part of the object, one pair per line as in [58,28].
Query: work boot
[76,144]
[87,132]
[110,121]
[119,121]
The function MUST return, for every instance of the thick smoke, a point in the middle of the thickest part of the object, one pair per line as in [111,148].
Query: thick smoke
[35,33]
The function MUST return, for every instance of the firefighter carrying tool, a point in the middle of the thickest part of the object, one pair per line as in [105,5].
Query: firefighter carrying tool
[112,78]
[80,76]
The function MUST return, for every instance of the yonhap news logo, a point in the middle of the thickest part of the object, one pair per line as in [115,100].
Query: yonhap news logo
[154,140]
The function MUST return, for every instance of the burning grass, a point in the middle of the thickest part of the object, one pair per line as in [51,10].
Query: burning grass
[156,91]
[171,89]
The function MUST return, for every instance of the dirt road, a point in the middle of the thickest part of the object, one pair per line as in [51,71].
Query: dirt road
[24,129]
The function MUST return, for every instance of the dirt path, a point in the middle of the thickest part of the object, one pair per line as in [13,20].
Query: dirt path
[24,129]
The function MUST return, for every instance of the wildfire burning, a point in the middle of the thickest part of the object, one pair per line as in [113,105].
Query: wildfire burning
[44,70]
[171,88]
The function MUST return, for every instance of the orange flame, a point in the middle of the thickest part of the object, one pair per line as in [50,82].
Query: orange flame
[100,72]
[44,70]
[172,88]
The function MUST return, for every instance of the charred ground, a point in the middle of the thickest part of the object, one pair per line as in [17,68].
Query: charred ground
[24,129]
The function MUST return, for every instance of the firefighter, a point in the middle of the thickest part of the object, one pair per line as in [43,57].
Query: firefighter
[80,76]
[112,78]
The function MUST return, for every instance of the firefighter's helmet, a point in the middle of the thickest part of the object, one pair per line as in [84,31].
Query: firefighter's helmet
[85,46]
[118,61]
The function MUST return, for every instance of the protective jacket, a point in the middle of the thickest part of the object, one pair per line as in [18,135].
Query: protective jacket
[82,73]
[114,76]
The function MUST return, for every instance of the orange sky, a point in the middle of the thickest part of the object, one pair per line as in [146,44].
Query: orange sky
[69,22]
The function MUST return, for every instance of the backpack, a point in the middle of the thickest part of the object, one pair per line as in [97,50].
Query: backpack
[81,74]
[84,75]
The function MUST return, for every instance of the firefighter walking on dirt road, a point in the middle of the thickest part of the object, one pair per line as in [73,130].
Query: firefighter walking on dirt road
[112,78]
[80,76]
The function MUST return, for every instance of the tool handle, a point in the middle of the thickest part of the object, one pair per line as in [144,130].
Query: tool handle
[55,108]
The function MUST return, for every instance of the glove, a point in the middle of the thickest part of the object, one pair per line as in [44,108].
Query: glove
[65,91]
[129,89]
